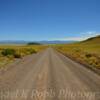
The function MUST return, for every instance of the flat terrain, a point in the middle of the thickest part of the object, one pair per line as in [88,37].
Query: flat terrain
[48,75]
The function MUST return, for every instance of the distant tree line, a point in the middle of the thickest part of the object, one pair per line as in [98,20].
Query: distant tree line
[33,43]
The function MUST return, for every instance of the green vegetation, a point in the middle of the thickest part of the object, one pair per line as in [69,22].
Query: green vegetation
[17,53]
[86,52]
[8,53]
[33,43]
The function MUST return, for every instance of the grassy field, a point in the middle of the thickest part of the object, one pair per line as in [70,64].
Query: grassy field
[86,52]
[9,53]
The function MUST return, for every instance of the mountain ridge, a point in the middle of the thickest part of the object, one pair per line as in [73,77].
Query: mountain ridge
[41,42]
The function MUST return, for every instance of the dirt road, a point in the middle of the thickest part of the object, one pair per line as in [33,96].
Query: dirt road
[48,75]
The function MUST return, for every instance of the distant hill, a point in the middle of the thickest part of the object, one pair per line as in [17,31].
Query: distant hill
[94,40]
[56,42]
[9,42]
[34,42]
[13,42]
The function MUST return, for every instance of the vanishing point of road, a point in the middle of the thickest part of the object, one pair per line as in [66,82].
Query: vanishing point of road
[48,75]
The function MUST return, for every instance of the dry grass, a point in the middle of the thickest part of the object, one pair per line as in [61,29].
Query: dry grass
[19,52]
[82,52]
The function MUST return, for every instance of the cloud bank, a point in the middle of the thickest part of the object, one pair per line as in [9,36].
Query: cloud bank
[83,36]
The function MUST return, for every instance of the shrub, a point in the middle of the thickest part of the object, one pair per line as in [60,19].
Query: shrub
[77,50]
[88,55]
[6,52]
[31,51]
[17,55]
